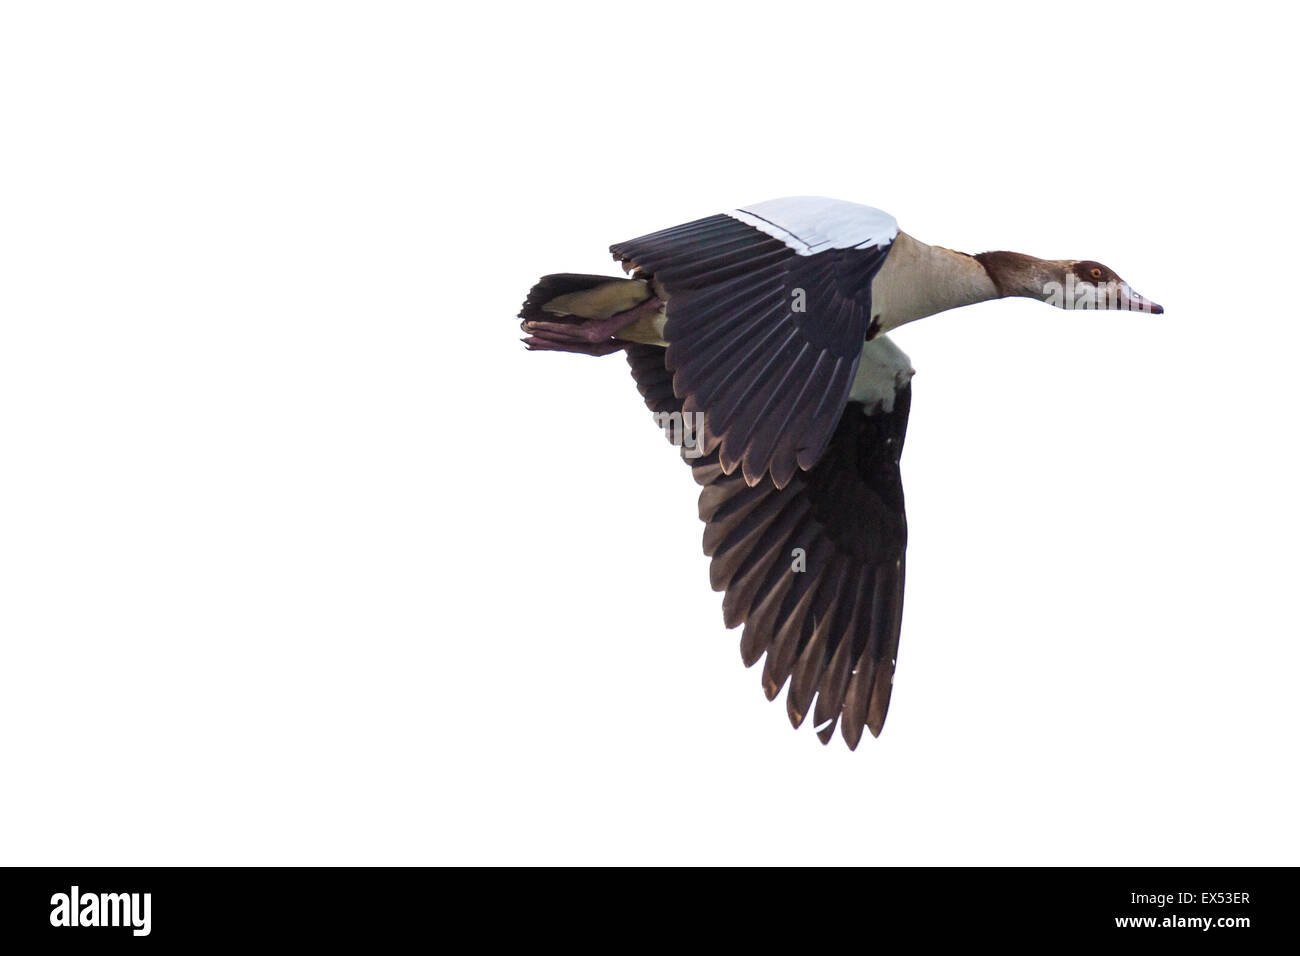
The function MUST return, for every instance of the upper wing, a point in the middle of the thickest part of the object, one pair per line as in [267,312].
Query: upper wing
[767,311]
[829,622]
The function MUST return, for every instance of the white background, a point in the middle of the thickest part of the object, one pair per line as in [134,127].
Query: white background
[303,558]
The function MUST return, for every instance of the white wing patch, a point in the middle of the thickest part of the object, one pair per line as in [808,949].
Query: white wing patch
[883,369]
[812,224]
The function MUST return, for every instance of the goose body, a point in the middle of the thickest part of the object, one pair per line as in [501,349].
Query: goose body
[758,339]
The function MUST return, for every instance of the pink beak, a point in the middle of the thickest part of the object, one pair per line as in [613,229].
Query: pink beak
[1139,303]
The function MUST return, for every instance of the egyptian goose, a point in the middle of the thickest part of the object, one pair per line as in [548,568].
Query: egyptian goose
[757,337]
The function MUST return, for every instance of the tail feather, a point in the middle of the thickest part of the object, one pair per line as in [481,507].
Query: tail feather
[584,296]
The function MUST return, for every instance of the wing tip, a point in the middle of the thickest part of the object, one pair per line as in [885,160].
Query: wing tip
[793,712]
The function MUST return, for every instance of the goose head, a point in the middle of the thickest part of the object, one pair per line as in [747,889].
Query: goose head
[1091,285]
[1064,283]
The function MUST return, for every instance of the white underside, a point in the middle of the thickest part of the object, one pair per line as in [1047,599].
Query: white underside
[883,369]
[812,224]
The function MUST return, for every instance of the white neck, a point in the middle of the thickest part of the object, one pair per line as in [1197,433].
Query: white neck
[919,280]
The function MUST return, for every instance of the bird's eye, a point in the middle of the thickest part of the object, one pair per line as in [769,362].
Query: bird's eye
[1096,273]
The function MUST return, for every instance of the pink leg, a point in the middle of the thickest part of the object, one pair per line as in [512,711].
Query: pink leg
[585,336]
[538,343]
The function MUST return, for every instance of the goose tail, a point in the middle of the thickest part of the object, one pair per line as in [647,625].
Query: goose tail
[587,314]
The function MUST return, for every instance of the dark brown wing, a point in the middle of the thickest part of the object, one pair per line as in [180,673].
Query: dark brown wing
[762,340]
[832,628]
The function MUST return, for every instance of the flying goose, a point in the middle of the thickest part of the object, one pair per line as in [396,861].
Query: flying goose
[757,337]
